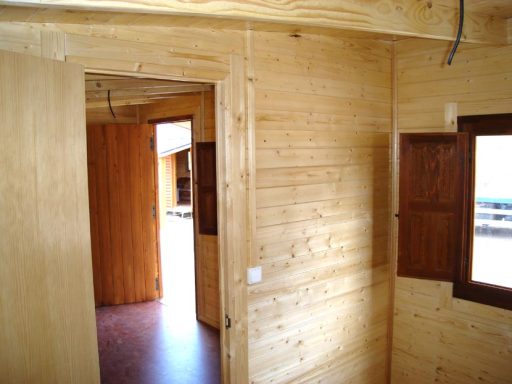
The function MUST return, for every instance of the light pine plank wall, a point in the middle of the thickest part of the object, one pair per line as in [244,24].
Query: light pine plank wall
[323,121]
[322,117]
[437,338]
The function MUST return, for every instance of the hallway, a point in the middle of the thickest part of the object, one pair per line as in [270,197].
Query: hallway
[145,343]
[161,342]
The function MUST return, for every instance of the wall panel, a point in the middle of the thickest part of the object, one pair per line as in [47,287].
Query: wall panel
[322,111]
[437,338]
[322,117]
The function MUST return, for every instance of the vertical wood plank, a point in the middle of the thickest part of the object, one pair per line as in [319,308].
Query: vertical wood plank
[201,136]
[450,117]
[125,212]
[174,181]
[103,201]
[238,251]
[393,225]
[136,210]
[113,180]
[158,266]
[251,143]
[93,212]
[224,267]
[148,203]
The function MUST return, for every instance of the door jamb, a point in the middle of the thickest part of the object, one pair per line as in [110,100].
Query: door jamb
[233,176]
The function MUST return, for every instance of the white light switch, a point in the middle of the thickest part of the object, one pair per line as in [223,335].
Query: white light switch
[253,275]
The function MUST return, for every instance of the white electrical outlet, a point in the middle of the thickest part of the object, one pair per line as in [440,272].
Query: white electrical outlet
[254,275]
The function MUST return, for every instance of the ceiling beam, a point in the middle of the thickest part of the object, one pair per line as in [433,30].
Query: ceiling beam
[95,99]
[141,87]
[415,18]
[127,100]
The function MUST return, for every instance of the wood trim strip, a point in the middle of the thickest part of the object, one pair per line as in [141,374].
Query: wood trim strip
[393,236]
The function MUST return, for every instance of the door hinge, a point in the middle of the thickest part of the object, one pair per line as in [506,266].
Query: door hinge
[153,210]
[227,321]
[157,284]
[152,143]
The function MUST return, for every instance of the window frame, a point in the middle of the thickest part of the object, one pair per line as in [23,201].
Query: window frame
[464,287]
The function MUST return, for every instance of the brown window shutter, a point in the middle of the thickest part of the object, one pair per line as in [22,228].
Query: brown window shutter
[432,188]
[206,188]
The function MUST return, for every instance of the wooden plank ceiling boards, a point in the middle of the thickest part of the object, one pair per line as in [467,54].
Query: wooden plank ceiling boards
[132,91]
[485,22]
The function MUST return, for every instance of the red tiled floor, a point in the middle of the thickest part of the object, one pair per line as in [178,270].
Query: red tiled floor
[148,343]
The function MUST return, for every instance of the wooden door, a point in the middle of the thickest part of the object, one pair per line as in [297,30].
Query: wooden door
[206,188]
[123,210]
[47,319]
[205,234]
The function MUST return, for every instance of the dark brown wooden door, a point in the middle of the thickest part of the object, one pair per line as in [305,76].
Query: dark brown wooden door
[432,182]
[122,201]
[206,188]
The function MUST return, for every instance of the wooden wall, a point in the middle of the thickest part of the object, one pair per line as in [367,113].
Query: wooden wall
[173,53]
[323,122]
[320,108]
[437,338]
[168,189]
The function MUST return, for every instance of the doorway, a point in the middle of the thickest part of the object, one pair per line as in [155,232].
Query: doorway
[175,321]
[176,219]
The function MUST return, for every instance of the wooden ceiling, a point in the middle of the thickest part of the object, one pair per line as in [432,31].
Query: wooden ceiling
[132,91]
[499,8]
[486,20]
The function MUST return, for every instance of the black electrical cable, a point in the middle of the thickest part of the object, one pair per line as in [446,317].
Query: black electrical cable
[110,105]
[459,32]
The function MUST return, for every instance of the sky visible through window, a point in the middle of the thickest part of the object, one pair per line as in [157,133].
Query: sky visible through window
[492,246]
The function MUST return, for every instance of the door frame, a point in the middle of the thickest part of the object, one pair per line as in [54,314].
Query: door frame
[234,175]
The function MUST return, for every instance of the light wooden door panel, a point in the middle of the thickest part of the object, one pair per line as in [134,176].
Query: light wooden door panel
[47,320]
[123,218]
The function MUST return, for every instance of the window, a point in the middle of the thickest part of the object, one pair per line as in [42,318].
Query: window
[455,218]
[484,268]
